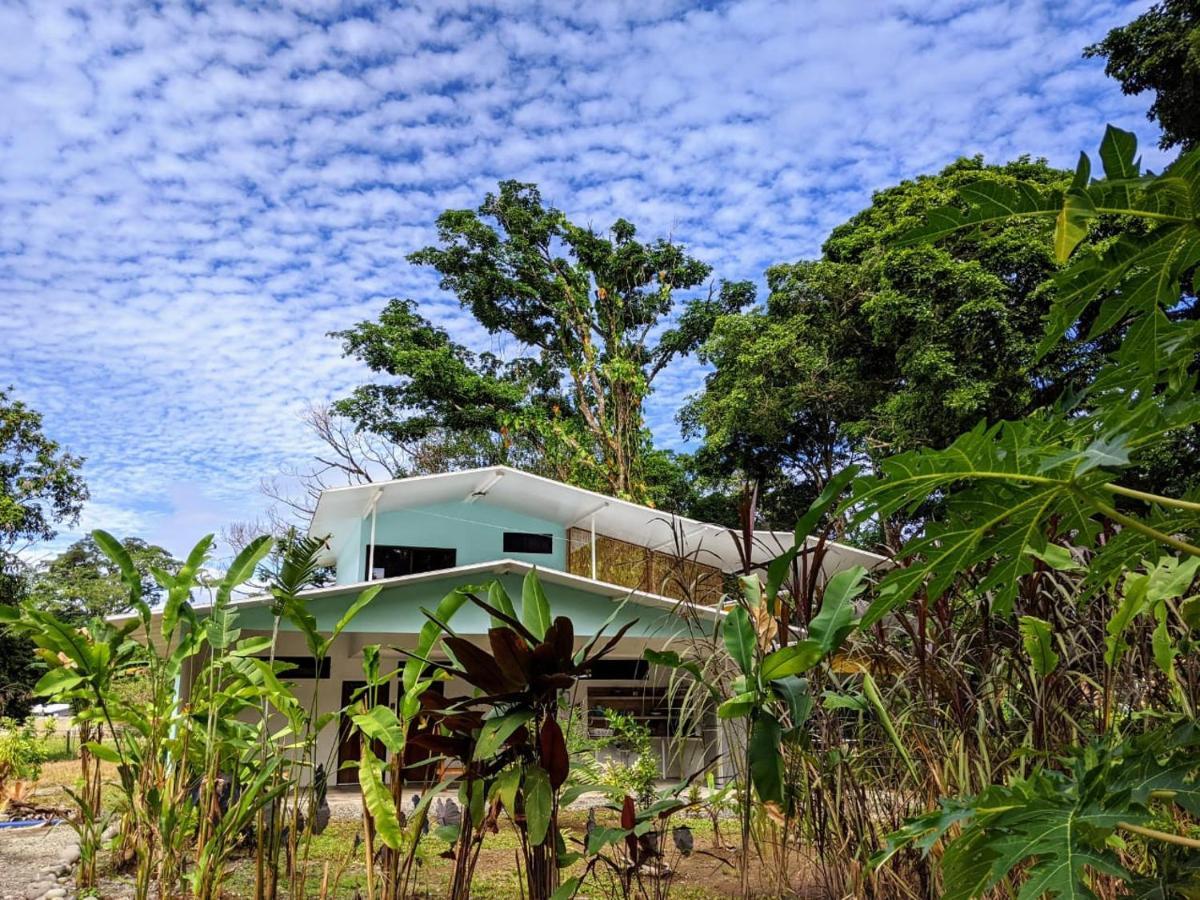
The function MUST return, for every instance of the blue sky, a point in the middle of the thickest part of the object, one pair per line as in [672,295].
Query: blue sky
[193,195]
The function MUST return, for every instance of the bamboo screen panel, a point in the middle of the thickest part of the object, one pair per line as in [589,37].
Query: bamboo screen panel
[631,566]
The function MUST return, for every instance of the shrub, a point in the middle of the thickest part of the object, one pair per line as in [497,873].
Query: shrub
[21,755]
[637,779]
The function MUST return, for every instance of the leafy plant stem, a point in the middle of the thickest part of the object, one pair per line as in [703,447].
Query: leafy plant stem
[1164,836]
[1151,498]
[1149,531]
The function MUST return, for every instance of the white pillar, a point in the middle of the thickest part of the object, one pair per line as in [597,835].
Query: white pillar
[371,546]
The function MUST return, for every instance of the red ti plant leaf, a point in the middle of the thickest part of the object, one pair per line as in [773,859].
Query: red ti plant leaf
[561,636]
[453,747]
[628,821]
[588,661]
[554,752]
[559,681]
[478,667]
[505,618]
[512,655]
[545,660]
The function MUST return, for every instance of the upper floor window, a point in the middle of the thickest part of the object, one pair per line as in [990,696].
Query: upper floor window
[393,561]
[527,542]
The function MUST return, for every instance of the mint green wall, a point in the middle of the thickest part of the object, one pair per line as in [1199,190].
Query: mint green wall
[475,530]
[397,610]
[351,564]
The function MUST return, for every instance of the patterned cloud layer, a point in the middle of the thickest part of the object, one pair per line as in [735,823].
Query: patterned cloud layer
[191,198]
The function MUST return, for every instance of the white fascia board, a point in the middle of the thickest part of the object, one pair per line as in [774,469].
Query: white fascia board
[497,567]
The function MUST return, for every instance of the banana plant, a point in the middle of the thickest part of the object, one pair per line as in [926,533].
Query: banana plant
[169,756]
[397,834]
[304,723]
[769,693]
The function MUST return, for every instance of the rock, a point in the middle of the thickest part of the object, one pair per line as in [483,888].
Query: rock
[54,893]
[36,890]
[69,854]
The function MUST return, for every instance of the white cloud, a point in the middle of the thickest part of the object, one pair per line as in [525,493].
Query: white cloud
[190,199]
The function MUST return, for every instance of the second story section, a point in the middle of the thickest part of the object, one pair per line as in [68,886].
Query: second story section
[438,522]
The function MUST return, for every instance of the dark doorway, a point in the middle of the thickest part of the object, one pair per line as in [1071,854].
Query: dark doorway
[350,740]
[416,768]
[394,561]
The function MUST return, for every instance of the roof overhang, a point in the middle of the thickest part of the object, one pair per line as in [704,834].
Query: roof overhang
[570,507]
[475,574]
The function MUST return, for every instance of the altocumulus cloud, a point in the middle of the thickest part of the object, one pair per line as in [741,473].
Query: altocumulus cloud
[193,195]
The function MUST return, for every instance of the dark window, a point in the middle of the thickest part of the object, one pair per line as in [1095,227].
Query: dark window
[391,562]
[649,705]
[293,667]
[525,542]
[618,669]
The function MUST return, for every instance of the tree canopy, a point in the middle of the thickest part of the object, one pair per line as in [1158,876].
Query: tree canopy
[40,484]
[82,582]
[41,489]
[594,318]
[1160,51]
[875,349]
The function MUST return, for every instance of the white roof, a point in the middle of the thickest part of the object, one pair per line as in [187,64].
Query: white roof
[339,510]
[613,592]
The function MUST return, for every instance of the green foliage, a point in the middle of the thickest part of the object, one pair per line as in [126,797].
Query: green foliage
[82,581]
[767,695]
[172,758]
[633,737]
[40,489]
[1009,493]
[1159,51]
[1059,826]
[1039,645]
[40,485]
[1006,490]
[22,752]
[877,348]
[584,303]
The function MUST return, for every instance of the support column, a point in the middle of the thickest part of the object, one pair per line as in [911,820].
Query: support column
[593,547]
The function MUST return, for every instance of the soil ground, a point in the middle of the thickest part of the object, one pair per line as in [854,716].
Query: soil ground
[709,872]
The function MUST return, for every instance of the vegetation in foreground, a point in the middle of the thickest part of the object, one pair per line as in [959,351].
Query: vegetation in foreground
[1011,711]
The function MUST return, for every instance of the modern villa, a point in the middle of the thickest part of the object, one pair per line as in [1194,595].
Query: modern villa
[422,537]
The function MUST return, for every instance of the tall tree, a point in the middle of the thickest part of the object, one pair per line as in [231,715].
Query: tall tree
[874,349]
[40,490]
[594,317]
[82,582]
[1160,51]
